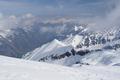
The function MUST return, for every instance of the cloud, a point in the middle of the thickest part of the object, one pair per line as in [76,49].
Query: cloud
[100,15]
[7,22]
[110,20]
[13,21]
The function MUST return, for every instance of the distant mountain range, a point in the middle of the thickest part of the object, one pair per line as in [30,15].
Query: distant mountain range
[65,43]
[80,47]
[17,41]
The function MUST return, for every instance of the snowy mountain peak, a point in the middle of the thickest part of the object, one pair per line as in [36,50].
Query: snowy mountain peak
[76,40]
[57,42]
[54,47]
[73,40]
[76,28]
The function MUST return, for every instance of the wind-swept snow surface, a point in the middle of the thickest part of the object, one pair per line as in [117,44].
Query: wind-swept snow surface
[15,69]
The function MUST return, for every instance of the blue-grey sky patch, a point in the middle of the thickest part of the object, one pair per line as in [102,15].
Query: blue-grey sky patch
[56,7]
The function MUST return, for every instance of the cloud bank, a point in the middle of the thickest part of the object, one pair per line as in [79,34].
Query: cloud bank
[110,21]
[106,13]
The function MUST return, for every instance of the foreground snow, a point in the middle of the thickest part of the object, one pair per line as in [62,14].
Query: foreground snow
[15,69]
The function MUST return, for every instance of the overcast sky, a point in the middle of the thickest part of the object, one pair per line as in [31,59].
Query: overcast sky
[57,7]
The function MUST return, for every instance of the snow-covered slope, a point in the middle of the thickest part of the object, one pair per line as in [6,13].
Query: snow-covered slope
[15,69]
[108,57]
[53,48]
